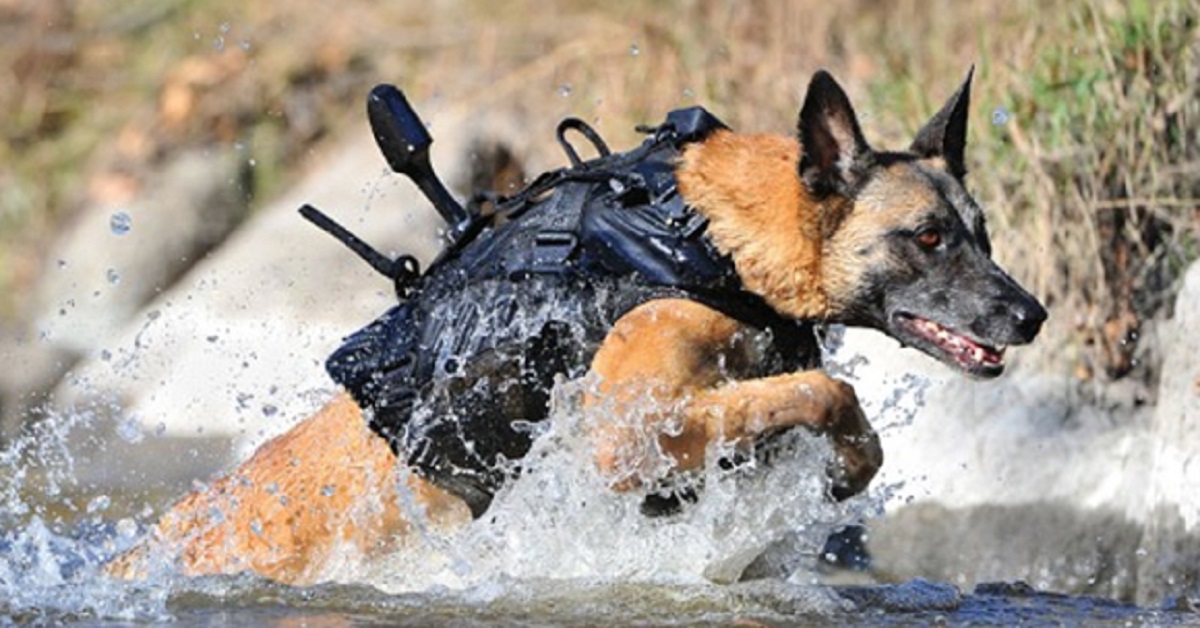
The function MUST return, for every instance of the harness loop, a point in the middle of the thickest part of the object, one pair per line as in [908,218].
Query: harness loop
[575,124]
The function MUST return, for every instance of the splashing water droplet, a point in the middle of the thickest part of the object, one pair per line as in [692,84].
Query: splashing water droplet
[564,90]
[634,50]
[120,223]
[327,490]
[98,503]
[1000,116]
[129,431]
[127,528]
[105,355]
[113,276]
[270,410]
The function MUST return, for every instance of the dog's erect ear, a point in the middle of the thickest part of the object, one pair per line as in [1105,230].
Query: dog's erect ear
[836,156]
[945,135]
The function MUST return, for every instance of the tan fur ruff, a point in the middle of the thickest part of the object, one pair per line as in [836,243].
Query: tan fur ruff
[760,214]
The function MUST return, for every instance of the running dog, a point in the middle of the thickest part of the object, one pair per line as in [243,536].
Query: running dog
[819,227]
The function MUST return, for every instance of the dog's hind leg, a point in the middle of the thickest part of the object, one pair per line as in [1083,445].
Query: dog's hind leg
[667,381]
[305,498]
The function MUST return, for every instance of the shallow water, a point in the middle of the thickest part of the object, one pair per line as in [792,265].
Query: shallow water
[247,601]
[556,548]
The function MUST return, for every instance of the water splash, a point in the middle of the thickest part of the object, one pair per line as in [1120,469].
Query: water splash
[562,521]
[51,550]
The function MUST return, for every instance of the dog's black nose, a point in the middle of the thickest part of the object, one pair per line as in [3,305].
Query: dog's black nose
[1029,316]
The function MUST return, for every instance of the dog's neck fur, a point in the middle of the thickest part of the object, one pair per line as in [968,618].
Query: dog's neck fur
[761,215]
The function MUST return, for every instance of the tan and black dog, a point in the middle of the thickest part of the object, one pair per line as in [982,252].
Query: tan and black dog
[820,226]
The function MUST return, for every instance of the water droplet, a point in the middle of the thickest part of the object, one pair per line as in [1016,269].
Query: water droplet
[219,43]
[1000,116]
[160,429]
[113,276]
[564,90]
[120,223]
[252,161]
[129,431]
[224,28]
[98,503]
[256,527]
[270,410]
[688,93]
[245,44]
[327,490]
[105,355]
[62,263]
[127,528]
[634,50]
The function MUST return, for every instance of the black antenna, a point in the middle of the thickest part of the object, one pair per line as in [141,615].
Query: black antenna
[403,271]
[404,142]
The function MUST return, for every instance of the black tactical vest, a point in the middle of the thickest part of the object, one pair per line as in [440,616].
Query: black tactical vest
[457,375]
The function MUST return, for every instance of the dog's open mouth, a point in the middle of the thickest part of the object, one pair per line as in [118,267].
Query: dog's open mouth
[952,347]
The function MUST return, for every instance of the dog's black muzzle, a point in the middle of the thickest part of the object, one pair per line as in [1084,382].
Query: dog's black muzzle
[1012,316]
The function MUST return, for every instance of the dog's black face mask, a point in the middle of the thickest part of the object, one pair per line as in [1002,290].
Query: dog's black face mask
[940,290]
[909,253]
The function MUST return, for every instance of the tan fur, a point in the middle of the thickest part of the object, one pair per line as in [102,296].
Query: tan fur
[673,368]
[326,485]
[749,188]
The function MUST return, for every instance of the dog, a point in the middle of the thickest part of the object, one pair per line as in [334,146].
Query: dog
[820,226]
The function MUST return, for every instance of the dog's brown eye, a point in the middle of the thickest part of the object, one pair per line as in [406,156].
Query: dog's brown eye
[929,238]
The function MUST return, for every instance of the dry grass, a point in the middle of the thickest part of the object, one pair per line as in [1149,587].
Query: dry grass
[1091,183]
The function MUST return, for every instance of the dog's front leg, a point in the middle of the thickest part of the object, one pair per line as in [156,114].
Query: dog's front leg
[741,412]
[665,384]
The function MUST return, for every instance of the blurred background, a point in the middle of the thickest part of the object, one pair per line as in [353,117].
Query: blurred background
[152,154]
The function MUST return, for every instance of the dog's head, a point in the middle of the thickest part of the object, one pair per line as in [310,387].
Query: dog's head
[905,249]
